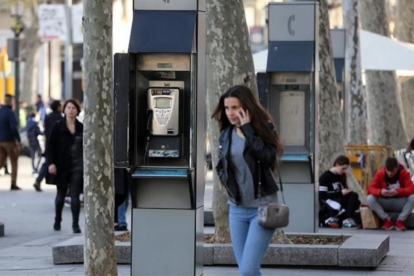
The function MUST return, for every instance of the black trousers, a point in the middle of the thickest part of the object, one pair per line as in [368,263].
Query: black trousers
[350,203]
[74,181]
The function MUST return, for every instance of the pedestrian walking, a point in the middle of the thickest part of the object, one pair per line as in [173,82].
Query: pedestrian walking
[6,169]
[22,115]
[337,203]
[122,185]
[65,158]
[9,139]
[33,131]
[249,147]
[50,120]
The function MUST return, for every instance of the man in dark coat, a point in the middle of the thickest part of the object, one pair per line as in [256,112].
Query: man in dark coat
[50,120]
[33,131]
[9,139]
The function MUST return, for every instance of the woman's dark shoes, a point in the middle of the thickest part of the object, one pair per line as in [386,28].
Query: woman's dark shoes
[120,228]
[56,226]
[14,187]
[37,187]
[76,229]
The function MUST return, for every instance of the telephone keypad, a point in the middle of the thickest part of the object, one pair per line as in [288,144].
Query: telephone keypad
[162,116]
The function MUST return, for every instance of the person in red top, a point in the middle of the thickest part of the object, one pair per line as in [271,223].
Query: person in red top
[392,190]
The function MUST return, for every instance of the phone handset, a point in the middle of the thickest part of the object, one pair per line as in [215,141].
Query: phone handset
[150,113]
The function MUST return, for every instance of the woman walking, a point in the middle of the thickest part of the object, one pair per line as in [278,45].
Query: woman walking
[249,147]
[65,159]
[337,203]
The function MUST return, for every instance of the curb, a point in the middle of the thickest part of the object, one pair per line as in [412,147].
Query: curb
[360,250]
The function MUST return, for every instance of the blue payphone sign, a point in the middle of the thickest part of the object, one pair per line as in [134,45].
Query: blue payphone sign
[291,22]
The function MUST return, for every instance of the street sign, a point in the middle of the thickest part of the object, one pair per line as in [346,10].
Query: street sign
[52,22]
[77,26]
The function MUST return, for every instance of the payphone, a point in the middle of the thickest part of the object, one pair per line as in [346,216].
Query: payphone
[289,90]
[163,123]
[159,90]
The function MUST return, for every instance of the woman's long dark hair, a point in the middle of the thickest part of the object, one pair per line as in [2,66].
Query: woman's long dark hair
[342,160]
[259,117]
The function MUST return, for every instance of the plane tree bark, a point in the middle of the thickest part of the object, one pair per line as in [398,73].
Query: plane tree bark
[30,51]
[99,248]
[405,33]
[331,134]
[355,97]
[384,114]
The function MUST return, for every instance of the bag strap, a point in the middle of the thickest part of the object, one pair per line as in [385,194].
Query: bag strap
[274,178]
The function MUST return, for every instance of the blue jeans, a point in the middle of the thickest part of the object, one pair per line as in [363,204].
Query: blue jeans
[42,172]
[122,209]
[35,151]
[250,240]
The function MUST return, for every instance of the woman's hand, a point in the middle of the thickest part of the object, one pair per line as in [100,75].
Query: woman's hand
[52,169]
[244,116]
[345,191]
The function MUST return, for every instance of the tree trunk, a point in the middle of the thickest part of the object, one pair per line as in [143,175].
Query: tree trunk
[30,49]
[355,98]
[229,62]
[331,137]
[384,115]
[99,248]
[405,32]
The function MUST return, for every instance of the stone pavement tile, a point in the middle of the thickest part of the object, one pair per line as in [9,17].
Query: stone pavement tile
[26,250]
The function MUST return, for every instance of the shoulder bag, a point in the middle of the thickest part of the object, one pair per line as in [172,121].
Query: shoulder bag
[272,215]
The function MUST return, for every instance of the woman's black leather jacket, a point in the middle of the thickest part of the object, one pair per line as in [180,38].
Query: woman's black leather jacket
[258,156]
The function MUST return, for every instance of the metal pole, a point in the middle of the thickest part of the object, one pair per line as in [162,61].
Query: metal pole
[17,81]
[49,61]
[68,52]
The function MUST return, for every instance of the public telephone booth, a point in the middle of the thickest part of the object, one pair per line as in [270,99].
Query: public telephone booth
[289,90]
[160,134]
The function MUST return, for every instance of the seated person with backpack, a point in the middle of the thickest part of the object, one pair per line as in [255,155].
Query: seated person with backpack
[337,203]
[392,190]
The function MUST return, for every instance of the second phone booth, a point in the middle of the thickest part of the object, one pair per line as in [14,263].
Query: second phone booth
[289,90]
[160,134]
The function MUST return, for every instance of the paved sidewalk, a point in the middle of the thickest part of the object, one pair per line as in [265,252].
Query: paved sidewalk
[27,247]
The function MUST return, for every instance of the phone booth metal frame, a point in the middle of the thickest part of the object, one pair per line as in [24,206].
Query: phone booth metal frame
[166,54]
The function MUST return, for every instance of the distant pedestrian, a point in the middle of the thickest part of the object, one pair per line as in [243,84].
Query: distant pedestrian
[337,203]
[33,131]
[410,146]
[22,115]
[9,139]
[391,190]
[41,108]
[39,102]
[65,158]
[122,183]
[51,119]
[249,147]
